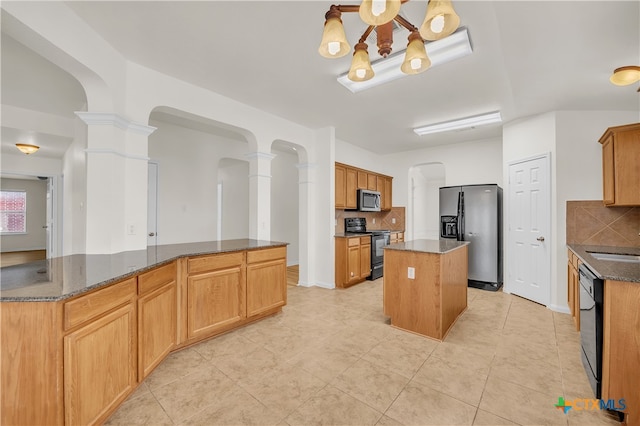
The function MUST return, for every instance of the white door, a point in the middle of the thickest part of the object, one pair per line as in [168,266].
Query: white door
[50,220]
[152,205]
[529,224]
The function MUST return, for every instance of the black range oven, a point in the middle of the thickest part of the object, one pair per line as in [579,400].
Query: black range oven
[379,239]
[591,297]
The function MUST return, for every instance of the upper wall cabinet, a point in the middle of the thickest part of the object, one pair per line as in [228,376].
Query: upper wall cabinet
[349,179]
[621,165]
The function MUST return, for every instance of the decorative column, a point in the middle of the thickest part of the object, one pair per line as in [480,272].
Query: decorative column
[116,204]
[306,215]
[260,194]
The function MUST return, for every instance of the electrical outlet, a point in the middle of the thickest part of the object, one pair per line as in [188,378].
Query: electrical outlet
[131,230]
[373,220]
[393,220]
[411,273]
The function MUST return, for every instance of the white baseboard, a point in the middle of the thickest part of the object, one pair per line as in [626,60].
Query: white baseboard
[559,308]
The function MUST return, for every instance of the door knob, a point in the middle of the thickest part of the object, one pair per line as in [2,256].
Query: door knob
[540,238]
[152,234]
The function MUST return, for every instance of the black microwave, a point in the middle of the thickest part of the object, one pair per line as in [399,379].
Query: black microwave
[368,201]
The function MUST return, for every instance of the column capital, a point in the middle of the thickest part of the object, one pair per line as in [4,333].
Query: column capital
[112,119]
[258,155]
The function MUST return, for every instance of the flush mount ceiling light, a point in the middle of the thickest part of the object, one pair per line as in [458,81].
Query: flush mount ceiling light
[461,123]
[440,21]
[27,148]
[624,76]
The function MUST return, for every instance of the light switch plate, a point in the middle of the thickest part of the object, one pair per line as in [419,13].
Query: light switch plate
[411,273]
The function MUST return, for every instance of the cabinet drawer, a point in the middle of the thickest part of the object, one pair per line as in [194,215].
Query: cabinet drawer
[365,240]
[352,242]
[156,278]
[92,305]
[211,263]
[266,254]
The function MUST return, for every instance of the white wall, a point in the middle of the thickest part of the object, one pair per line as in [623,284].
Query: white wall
[36,236]
[355,156]
[426,181]
[233,175]
[285,201]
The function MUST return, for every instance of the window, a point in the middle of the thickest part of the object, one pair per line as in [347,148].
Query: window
[13,212]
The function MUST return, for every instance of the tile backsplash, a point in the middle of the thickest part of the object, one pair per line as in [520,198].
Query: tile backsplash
[591,223]
[384,220]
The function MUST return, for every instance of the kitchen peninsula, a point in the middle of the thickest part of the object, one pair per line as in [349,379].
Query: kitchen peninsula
[425,285]
[81,332]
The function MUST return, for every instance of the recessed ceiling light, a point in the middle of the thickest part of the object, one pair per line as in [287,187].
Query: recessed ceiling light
[461,123]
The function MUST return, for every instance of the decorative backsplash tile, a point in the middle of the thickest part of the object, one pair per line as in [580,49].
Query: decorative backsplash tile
[591,223]
[384,220]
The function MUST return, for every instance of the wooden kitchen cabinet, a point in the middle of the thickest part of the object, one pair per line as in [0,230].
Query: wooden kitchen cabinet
[157,317]
[349,179]
[621,165]
[621,347]
[100,354]
[396,237]
[216,294]
[353,260]
[573,288]
[266,280]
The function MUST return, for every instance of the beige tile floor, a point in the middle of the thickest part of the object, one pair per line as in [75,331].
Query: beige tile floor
[331,358]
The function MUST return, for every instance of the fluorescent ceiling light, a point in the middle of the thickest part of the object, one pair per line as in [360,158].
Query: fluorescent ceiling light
[462,123]
[387,69]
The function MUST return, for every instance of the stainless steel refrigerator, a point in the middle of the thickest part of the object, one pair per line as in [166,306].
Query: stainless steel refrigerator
[474,213]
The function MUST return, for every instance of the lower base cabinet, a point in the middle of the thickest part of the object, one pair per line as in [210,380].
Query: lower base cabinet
[353,260]
[73,362]
[573,288]
[99,366]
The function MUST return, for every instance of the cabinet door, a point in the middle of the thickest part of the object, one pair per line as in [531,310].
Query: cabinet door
[266,286]
[362,179]
[608,171]
[626,159]
[365,260]
[372,181]
[387,202]
[341,181]
[353,263]
[216,300]
[156,327]
[99,366]
[351,196]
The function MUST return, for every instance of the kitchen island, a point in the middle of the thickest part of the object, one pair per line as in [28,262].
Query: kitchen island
[79,333]
[425,285]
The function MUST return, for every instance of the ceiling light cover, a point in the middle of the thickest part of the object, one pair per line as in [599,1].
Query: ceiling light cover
[625,75]
[456,46]
[334,41]
[462,123]
[378,12]
[415,59]
[27,148]
[360,65]
[441,20]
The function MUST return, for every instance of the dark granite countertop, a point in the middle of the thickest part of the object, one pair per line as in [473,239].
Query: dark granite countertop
[428,246]
[609,269]
[63,277]
[351,234]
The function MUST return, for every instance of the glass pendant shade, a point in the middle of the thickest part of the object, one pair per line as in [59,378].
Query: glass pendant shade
[625,75]
[334,41]
[27,148]
[378,12]
[415,58]
[360,65]
[441,20]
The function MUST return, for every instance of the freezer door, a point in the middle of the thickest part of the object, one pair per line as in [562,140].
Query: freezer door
[449,201]
[481,229]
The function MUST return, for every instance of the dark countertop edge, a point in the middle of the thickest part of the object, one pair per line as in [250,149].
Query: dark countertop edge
[603,268]
[400,247]
[351,235]
[123,277]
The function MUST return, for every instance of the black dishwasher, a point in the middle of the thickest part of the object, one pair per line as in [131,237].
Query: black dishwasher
[591,297]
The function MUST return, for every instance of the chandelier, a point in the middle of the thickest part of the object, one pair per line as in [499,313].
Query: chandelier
[440,21]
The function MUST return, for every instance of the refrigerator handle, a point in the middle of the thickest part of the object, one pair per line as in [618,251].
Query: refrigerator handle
[460,224]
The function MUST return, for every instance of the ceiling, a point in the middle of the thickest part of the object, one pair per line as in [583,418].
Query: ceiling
[528,58]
